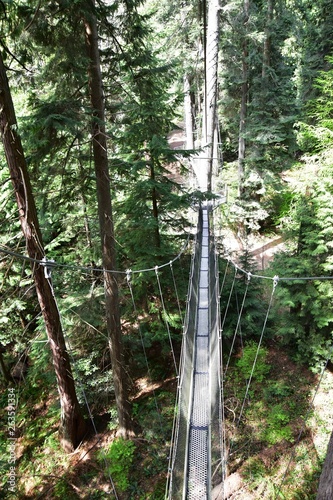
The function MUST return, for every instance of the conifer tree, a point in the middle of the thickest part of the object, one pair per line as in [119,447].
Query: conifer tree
[72,427]
[244,101]
[103,186]
[211,87]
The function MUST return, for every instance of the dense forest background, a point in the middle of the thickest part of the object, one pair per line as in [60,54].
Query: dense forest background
[91,180]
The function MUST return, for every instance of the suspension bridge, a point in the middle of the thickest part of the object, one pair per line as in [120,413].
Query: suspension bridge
[197,461]
[198,427]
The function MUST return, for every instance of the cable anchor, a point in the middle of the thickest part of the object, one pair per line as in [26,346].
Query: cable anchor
[47,264]
[129,275]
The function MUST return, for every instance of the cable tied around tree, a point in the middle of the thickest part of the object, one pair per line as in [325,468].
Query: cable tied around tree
[275,282]
[75,267]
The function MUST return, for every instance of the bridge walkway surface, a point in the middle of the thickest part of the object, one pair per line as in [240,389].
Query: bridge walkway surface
[198,460]
[197,463]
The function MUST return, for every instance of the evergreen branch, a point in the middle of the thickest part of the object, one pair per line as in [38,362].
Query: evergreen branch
[4,46]
[4,9]
[34,16]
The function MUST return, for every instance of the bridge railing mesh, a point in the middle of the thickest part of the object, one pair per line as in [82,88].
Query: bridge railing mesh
[178,487]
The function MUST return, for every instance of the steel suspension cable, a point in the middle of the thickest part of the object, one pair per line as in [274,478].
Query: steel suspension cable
[238,322]
[76,267]
[221,381]
[224,276]
[176,420]
[69,350]
[176,292]
[165,319]
[229,299]
[129,283]
[275,282]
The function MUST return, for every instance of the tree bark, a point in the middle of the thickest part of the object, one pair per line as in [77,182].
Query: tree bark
[103,186]
[325,489]
[188,113]
[266,61]
[212,53]
[157,235]
[243,107]
[3,369]
[72,427]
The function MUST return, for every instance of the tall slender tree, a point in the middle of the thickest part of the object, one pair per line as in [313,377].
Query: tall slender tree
[103,186]
[211,56]
[244,99]
[73,427]
[268,38]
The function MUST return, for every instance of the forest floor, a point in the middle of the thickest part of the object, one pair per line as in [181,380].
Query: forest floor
[276,451]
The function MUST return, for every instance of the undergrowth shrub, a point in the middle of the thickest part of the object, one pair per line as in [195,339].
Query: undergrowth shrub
[277,427]
[245,363]
[119,456]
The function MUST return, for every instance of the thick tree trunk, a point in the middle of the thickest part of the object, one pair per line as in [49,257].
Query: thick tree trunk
[103,186]
[325,489]
[72,427]
[212,53]
[243,108]
[188,113]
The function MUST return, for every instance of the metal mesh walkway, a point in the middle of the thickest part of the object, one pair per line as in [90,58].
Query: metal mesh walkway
[198,468]
[198,445]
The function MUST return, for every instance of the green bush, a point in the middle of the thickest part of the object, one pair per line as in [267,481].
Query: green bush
[120,457]
[277,426]
[245,363]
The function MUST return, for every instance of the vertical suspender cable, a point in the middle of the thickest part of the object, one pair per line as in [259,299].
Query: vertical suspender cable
[225,275]
[238,322]
[229,299]
[165,320]
[176,291]
[48,278]
[129,283]
[275,282]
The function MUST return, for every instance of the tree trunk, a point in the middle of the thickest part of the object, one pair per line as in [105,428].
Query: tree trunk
[188,113]
[103,186]
[3,369]
[266,61]
[155,207]
[243,108]
[325,489]
[72,428]
[212,53]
